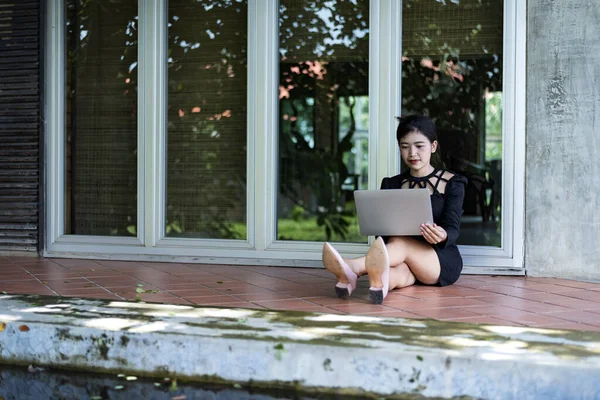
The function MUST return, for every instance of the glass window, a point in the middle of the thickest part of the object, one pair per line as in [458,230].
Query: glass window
[323,118]
[452,71]
[101,117]
[206,132]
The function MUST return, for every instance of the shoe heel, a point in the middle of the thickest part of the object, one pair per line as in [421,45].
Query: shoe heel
[342,293]
[376,296]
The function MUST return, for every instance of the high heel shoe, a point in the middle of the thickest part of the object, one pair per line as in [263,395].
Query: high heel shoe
[377,263]
[337,266]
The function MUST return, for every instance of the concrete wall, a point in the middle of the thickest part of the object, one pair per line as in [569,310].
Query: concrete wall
[562,237]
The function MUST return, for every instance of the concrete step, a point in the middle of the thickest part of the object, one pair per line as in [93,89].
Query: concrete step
[318,353]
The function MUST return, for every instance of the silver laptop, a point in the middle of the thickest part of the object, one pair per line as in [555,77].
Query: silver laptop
[393,212]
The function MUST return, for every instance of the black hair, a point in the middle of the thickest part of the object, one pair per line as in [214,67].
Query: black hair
[419,123]
[423,125]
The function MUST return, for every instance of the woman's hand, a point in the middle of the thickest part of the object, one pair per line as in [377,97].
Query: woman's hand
[434,234]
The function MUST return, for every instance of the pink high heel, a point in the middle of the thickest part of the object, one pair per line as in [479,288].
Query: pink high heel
[337,266]
[377,263]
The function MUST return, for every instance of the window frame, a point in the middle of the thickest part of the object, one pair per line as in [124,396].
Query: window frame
[261,246]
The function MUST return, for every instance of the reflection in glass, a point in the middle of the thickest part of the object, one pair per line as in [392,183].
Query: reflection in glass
[323,118]
[206,132]
[101,148]
[452,71]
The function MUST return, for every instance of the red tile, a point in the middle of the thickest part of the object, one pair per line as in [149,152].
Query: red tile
[444,313]
[524,304]
[213,300]
[95,295]
[285,304]
[569,326]
[481,319]
[361,308]
[530,319]
[239,304]
[583,317]
[590,295]
[265,296]
[82,292]
[197,292]
[393,314]
[456,302]
[41,290]
[408,304]
[333,301]
[564,301]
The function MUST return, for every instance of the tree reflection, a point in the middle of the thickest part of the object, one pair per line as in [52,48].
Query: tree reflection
[207,81]
[449,62]
[324,51]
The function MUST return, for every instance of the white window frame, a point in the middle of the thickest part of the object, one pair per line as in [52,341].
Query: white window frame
[261,246]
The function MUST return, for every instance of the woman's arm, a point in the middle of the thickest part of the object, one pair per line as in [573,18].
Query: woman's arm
[453,209]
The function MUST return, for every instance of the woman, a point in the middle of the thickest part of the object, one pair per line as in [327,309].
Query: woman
[401,261]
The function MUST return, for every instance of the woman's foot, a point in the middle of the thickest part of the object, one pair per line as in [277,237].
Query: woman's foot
[377,264]
[337,266]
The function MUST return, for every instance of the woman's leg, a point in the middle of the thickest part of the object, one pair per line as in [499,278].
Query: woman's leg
[401,276]
[420,259]
[346,271]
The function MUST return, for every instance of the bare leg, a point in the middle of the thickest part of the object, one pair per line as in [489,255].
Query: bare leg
[419,257]
[412,260]
[401,276]
[357,265]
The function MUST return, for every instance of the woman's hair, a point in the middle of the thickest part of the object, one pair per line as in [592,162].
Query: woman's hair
[423,125]
[414,123]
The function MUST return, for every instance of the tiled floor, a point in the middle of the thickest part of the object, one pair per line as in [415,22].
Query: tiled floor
[536,302]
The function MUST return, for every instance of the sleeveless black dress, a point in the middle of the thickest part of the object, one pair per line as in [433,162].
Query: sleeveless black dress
[447,196]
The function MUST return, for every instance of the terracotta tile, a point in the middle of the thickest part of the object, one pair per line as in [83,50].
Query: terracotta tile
[95,295]
[509,290]
[249,289]
[213,300]
[549,288]
[456,302]
[564,301]
[583,317]
[444,313]
[60,285]
[239,304]
[393,314]
[531,319]
[76,264]
[590,295]
[309,292]
[569,326]
[217,282]
[186,285]
[17,278]
[499,311]
[361,308]
[333,301]
[481,319]
[80,291]
[524,304]
[41,290]
[197,292]
[409,304]
[428,295]
[286,303]
[165,300]
[266,296]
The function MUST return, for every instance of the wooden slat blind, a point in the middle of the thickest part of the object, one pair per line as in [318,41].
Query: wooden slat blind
[19,124]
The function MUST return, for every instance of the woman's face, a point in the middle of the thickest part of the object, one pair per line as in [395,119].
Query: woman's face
[416,150]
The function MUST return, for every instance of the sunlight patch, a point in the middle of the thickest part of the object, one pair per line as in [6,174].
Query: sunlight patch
[152,327]
[110,324]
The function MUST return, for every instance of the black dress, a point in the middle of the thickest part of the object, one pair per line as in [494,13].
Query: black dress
[447,196]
